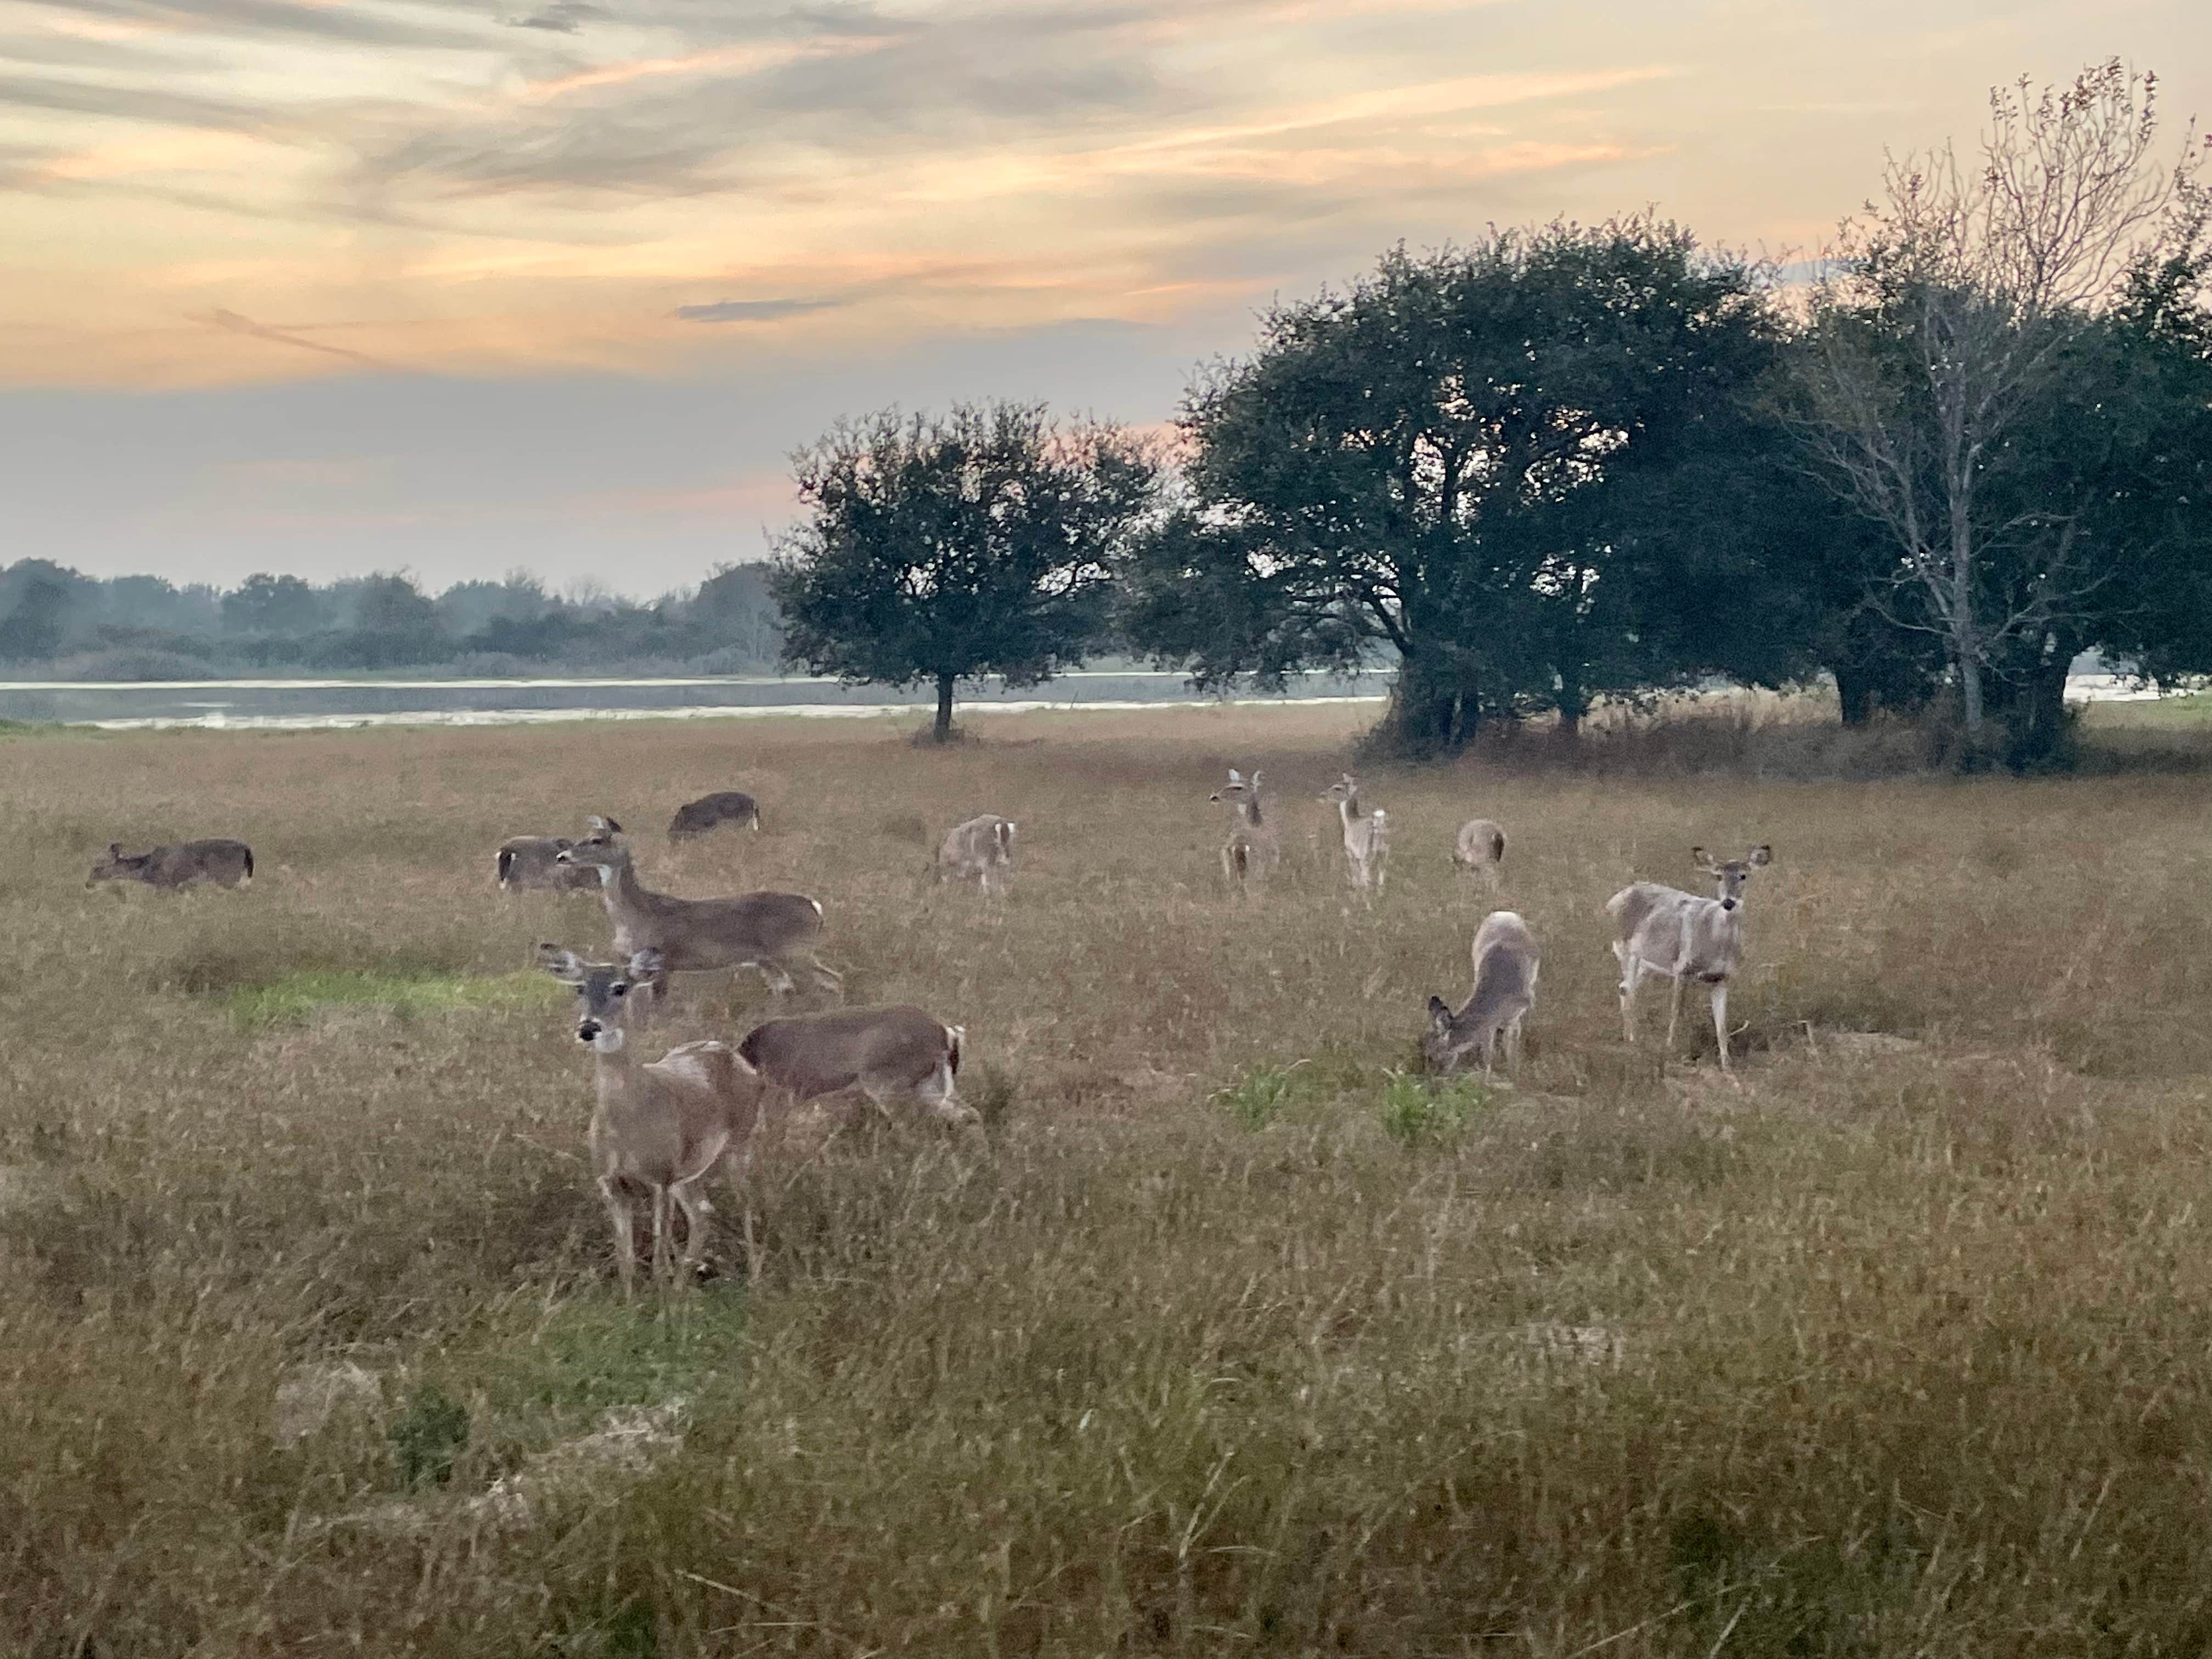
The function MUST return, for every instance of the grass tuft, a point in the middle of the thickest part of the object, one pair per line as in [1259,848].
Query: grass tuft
[1417,1111]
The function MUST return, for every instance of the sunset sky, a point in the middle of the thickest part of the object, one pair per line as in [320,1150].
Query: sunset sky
[456,286]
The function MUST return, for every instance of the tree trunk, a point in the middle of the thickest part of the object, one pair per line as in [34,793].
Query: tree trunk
[1432,714]
[1855,692]
[942,732]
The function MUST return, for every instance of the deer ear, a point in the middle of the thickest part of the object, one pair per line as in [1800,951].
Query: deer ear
[562,844]
[1701,857]
[648,963]
[1761,856]
[1235,776]
[563,965]
[115,849]
[1439,1014]
[613,828]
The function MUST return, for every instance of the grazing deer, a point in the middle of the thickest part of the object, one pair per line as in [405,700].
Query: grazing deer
[1663,930]
[534,861]
[981,850]
[1506,961]
[767,930]
[226,863]
[707,812]
[890,1055]
[1252,852]
[1480,847]
[664,1124]
[1366,835]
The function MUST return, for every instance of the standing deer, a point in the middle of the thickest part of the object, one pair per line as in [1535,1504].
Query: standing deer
[1506,963]
[1480,847]
[664,1124]
[1252,851]
[724,806]
[1664,930]
[981,850]
[767,930]
[893,1054]
[1366,835]
[533,862]
[226,863]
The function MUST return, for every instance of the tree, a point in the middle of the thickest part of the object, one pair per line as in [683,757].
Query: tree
[939,548]
[268,604]
[1951,316]
[1471,460]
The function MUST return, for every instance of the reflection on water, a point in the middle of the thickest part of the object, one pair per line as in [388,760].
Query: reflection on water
[301,705]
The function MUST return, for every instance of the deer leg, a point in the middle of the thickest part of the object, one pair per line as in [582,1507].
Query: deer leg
[780,982]
[691,1198]
[1632,977]
[661,1249]
[1673,1012]
[940,1095]
[826,978]
[625,1249]
[1720,1019]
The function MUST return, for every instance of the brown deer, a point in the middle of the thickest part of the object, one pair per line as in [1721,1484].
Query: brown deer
[890,1055]
[1664,930]
[771,931]
[534,862]
[981,851]
[1480,847]
[1506,963]
[1253,851]
[226,863]
[711,812]
[664,1124]
[1366,835]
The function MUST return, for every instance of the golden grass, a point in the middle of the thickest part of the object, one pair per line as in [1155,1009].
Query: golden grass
[1899,1347]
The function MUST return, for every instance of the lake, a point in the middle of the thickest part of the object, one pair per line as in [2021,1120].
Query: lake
[305,705]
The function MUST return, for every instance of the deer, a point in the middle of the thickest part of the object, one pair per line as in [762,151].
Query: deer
[1481,849]
[664,1124]
[1253,851]
[1506,963]
[533,862]
[697,817]
[888,1053]
[764,930]
[226,863]
[981,850]
[1663,930]
[1366,835]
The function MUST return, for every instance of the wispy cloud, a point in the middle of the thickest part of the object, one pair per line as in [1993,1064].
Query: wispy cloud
[231,322]
[753,311]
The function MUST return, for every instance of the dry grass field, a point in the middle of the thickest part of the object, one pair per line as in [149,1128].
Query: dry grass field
[1231,1339]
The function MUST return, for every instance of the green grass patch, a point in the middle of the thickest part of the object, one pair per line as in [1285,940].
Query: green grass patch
[1418,1109]
[297,996]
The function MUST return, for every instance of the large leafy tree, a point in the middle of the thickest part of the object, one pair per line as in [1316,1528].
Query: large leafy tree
[938,549]
[1493,462]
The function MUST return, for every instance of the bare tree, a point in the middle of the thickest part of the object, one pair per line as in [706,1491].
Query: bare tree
[1945,318]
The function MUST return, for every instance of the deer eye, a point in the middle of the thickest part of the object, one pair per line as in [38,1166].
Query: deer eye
[622,990]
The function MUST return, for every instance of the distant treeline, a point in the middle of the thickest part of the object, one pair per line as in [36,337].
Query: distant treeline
[58,622]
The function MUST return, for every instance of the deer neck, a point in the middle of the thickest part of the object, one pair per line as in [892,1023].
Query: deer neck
[619,885]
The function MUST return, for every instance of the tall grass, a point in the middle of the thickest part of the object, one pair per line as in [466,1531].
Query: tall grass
[1232,1340]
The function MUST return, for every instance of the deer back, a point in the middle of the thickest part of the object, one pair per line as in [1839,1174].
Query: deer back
[723,806]
[814,1054]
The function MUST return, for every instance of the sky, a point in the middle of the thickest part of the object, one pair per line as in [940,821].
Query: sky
[464,286]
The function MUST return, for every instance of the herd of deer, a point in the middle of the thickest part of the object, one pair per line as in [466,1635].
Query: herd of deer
[1681,937]
[666,1125]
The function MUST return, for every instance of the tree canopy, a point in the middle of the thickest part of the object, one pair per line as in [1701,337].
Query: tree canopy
[936,549]
[1478,460]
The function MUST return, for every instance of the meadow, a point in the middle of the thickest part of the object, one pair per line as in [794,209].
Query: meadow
[1231,1335]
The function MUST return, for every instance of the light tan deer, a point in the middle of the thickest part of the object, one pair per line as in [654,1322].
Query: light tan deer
[664,1124]
[1366,835]
[890,1055]
[1506,963]
[226,863]
[980,851]
[1253,852]
[1480,847]
[533,862]
[771,931]
[1663,930]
